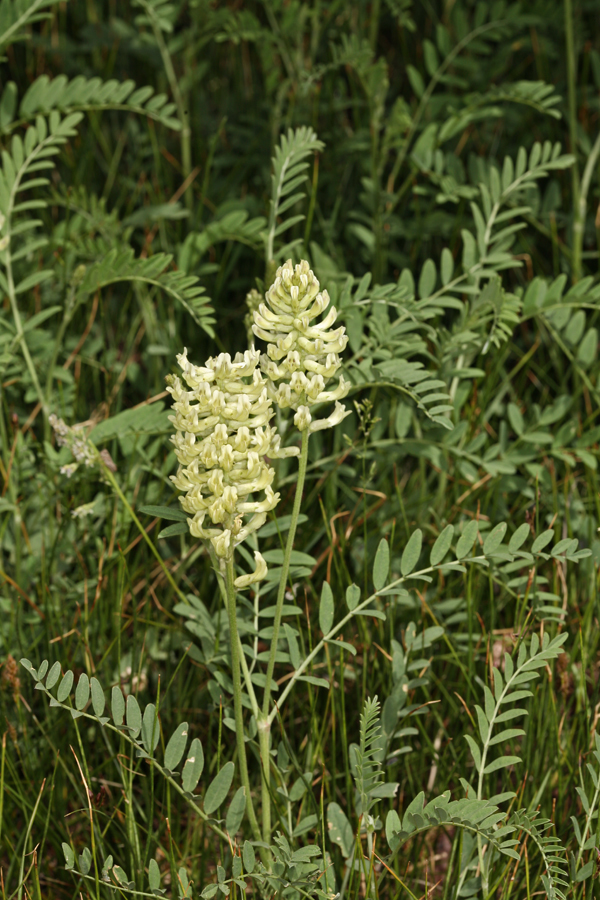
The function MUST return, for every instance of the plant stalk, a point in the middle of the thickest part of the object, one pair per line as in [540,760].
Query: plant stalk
[580,209]
[264,723]
[572,114]
[115,484]
[234,647]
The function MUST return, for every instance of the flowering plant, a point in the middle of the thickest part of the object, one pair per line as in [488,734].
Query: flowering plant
[224,441]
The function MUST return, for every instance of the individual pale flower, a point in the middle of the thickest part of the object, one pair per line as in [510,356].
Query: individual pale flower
[302,353]
[223,442]
[86,509]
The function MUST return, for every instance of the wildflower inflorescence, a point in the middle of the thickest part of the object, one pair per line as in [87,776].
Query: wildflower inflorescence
[78,443]
[222,411]
[302,354]
[223,442]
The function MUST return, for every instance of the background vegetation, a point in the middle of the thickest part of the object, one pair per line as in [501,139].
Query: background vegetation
[156,219]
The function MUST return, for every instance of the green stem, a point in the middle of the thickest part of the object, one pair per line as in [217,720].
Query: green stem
[186,132]
[572,113]
[117,488]
[580,209]
[237,696]
[245,670]
[264,723]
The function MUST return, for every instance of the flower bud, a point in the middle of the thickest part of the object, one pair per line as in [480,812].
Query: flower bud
[260,572]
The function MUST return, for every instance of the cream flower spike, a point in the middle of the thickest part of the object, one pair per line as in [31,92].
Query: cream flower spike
[223,441]
[302,353]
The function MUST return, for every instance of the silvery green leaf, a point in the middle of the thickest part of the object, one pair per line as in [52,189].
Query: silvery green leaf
[64,688]
[519,537]
[117,705]
[381,566]
[53,675]
[494,538]
[412,551]
[249,857]
[176,747]
[153,875]
[218,788]
[193,767]
[134,716]
[98,698]
[150,728]
[69,856]
[352,596]
[467,539]
[326,608]
[236,811]
[340,830]
[442,544]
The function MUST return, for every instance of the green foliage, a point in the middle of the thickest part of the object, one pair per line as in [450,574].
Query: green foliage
[81,95]
[289,167]
[157,160]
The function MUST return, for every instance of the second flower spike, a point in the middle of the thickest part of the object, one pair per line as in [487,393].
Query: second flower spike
[303,354]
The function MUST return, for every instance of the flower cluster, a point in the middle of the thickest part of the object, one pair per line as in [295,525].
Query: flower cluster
[222,442]
[80,446]
[302,354]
